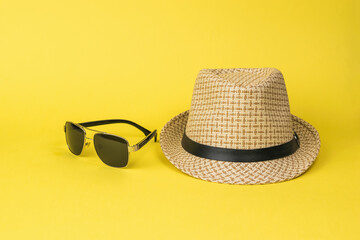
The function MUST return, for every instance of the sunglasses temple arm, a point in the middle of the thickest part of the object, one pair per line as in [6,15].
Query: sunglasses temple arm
[144,141]
[112,121]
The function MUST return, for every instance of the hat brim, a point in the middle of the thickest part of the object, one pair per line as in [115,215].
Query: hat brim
[271,171]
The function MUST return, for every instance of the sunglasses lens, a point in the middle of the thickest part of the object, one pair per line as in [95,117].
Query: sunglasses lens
[112,150]
[75,137]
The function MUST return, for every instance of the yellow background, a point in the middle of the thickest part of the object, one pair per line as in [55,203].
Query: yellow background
[90,60]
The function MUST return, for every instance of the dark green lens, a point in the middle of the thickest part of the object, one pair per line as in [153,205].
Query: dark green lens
[112,150]
[75,137]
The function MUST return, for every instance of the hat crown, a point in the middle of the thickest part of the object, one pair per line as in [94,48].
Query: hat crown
[240,108]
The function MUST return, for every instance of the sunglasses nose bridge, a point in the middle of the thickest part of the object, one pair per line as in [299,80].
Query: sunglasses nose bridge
[87,142]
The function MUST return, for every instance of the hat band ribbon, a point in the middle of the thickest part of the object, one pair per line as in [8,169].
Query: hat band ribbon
[240,155]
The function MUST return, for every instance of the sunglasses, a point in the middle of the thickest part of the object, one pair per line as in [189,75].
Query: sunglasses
[112,150]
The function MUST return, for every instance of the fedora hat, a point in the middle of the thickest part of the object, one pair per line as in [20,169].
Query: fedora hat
[239,130]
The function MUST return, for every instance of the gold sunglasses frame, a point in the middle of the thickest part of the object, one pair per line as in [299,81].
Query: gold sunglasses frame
[131,148]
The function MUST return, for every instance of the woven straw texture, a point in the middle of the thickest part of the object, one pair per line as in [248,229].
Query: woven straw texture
[242,109]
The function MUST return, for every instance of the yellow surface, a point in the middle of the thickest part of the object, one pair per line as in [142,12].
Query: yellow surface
[89,60]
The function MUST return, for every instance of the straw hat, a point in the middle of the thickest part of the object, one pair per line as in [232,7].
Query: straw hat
[239,130]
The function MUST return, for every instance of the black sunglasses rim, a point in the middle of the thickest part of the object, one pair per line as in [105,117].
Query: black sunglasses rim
[98,133]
